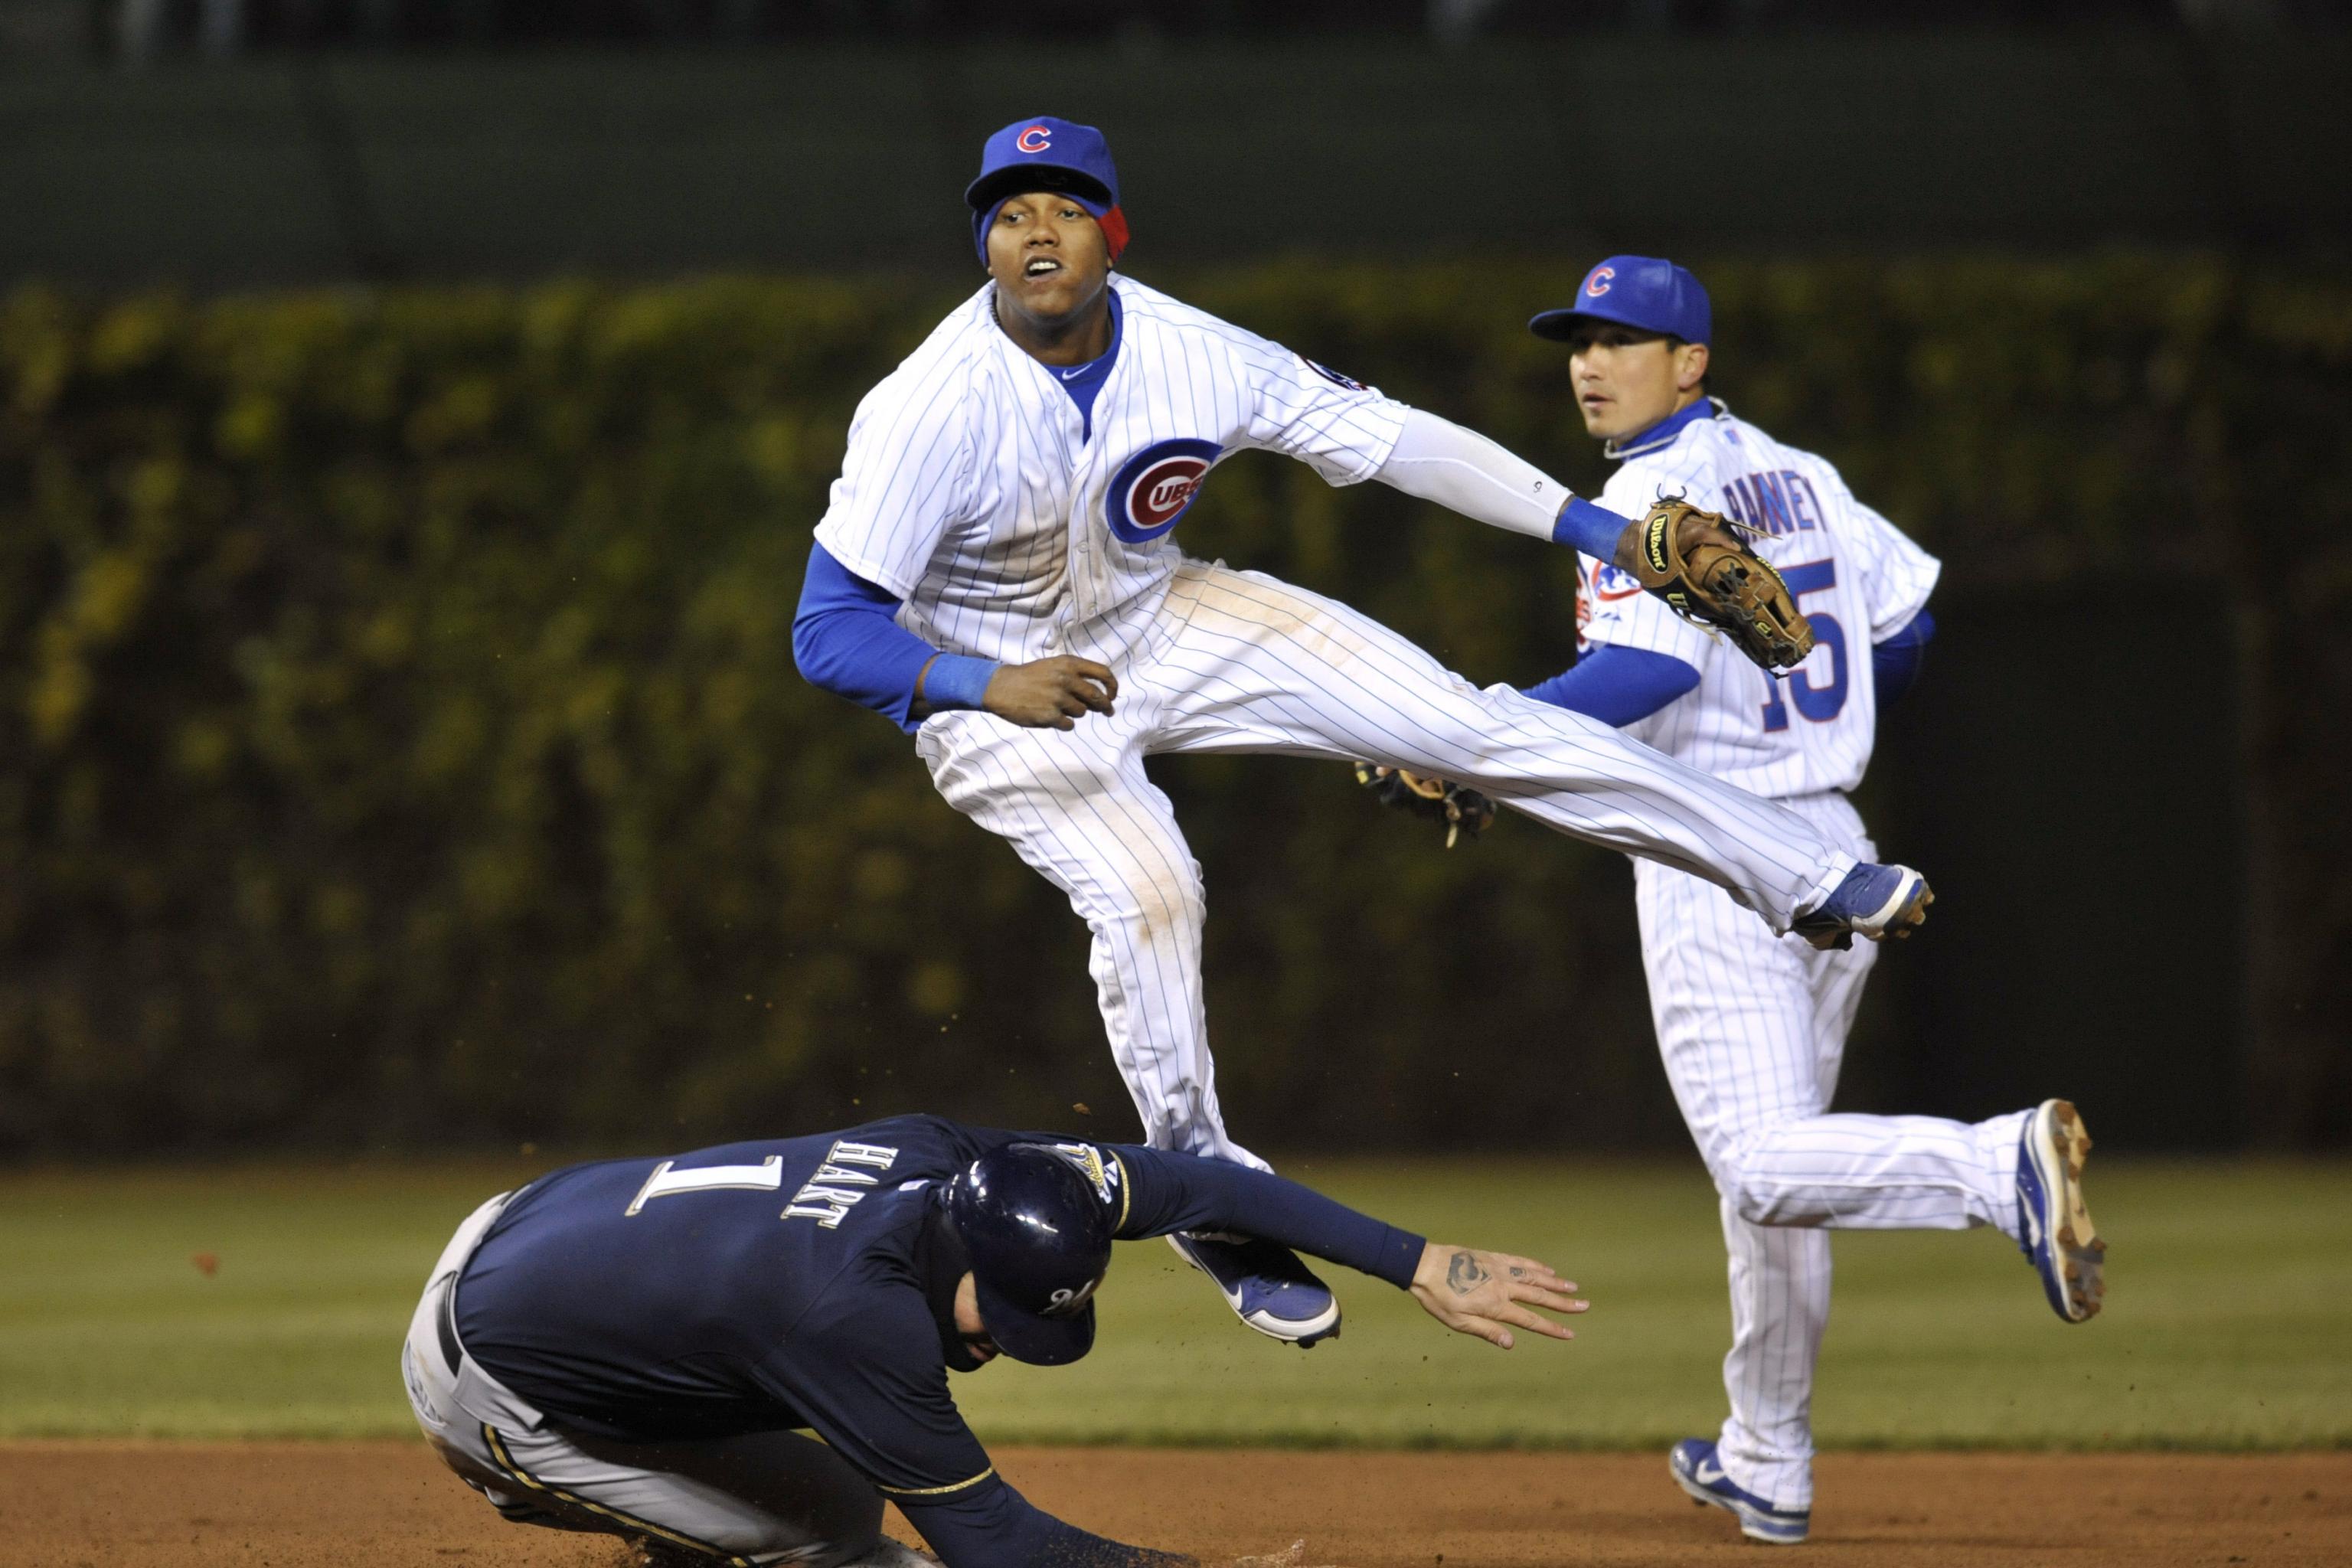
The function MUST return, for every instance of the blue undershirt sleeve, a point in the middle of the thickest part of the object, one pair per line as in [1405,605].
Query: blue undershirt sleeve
[993,1526]
[1618,685]
[1168,1191]
[1592,529]
[847,640]
[1894,663]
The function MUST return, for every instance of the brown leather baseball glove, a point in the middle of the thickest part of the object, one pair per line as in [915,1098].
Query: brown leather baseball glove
[1454,805]
[1699,564]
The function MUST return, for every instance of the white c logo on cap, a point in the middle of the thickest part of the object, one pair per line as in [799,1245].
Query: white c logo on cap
[1598,284]
[1037,139]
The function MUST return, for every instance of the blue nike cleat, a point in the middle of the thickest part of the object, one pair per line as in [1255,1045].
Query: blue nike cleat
[1874,901]
[2052,1221]
[1698,1472]
[1266,1285]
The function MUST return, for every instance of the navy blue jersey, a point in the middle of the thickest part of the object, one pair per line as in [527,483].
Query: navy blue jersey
[807,1283]
[745,1288]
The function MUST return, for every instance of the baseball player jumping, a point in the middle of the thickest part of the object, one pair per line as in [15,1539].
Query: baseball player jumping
[996,572]
[735,1355]
[1753,1026]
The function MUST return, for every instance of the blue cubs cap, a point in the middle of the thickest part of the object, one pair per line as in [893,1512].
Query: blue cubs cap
[1646,292]
[1036,1221]
[1044,153]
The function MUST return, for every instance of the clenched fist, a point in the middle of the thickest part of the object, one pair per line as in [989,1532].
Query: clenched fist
[1051,693]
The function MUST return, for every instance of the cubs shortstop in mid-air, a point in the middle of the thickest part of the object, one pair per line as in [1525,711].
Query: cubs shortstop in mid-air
[1753,1026]
[996,572]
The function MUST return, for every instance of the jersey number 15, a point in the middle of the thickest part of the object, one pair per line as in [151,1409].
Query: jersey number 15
[1818,703]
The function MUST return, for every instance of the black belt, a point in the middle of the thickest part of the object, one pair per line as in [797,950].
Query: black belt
[451,1351]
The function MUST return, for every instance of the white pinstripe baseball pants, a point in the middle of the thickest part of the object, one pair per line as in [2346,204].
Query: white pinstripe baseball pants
[1753,1029]
[1241,662]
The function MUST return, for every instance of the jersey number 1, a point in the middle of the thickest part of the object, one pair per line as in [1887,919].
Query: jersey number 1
[1823,704]
[767,1177]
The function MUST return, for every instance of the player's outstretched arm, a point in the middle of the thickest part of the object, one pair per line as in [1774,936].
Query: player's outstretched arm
[1469,1289]
[1488,1294]
[1618,685]
[1463,471]
[1438,460]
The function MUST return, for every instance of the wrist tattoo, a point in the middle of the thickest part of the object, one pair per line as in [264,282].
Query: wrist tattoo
[1465,1275]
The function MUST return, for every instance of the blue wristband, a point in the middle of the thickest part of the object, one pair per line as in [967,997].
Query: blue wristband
[955,681]
[1588,528]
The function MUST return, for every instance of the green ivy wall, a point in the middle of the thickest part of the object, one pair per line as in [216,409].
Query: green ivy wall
[400,742]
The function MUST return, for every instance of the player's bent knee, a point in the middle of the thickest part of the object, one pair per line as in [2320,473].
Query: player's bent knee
[1759,1200]
[1173,902]
[1737,1179]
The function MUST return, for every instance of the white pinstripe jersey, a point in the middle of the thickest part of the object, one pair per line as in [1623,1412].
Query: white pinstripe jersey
[975,491]
[1855,575]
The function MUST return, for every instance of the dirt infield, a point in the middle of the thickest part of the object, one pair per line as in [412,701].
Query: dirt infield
[390,1505]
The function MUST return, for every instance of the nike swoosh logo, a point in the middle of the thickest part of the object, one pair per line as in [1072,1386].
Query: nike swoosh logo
[1073,375]
[2029,1204]
[1232,1296]
[1707,1473]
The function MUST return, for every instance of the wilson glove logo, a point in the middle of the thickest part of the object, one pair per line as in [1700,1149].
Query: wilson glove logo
[1654,543]
[1152,489]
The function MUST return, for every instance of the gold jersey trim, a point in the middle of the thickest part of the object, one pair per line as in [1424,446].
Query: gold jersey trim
[1126,1190]
[934,1491]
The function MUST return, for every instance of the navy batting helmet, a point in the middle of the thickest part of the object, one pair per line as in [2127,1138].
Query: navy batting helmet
[1036,1219]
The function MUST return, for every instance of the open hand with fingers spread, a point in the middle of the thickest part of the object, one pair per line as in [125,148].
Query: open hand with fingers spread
[1487,1294]
[1051,693]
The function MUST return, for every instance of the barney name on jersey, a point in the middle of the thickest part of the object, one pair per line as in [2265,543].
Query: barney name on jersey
[1776,503]
[1153,489]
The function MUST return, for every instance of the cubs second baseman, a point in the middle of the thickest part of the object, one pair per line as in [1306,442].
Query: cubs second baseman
[1752,1026]
[997,573]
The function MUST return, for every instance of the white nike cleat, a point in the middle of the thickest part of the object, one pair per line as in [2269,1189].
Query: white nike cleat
[1699,1472]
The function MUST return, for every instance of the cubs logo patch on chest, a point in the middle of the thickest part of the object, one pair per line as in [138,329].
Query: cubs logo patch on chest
[1152,488]
[1611,582]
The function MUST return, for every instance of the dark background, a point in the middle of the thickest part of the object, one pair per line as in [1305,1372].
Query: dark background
[398,739]
[846,157]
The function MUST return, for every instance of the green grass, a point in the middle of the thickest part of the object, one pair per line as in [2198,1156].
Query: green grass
[2229,1323]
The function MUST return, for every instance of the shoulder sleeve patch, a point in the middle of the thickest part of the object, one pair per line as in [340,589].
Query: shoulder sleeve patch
[1333,376]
